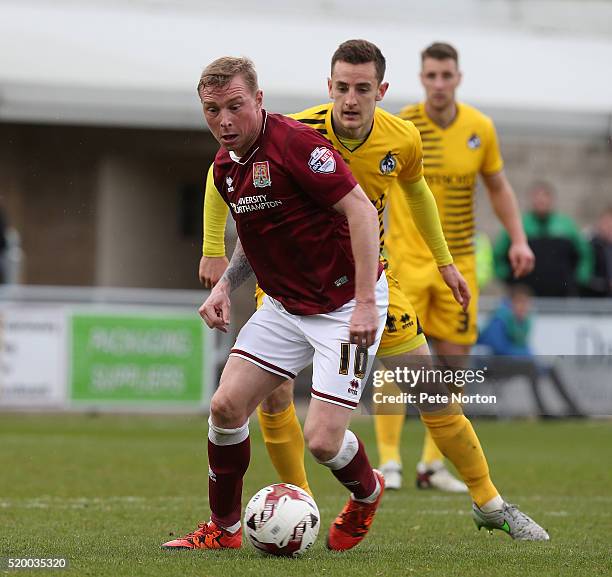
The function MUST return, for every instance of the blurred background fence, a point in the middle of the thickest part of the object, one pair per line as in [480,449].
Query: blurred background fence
[103,154]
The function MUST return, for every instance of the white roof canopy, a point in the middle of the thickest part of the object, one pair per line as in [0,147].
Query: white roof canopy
[107,63]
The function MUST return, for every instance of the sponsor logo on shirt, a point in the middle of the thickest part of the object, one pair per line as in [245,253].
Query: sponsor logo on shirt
[454,180]
[473,142]
[388,164]
[261,174]
[254,203]
[322,160]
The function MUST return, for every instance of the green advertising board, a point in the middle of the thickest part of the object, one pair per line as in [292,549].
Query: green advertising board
[137,359]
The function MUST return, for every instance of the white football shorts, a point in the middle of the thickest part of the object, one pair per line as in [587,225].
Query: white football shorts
[284,344]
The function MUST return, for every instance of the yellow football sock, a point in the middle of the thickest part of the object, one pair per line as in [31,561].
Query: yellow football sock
[431,452]
[388,435]
[457,440]
[284,440]
[388,424]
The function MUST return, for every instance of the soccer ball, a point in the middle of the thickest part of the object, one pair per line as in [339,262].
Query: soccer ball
[282,520]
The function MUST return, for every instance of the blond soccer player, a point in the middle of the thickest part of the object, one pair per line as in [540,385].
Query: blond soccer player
[380,149]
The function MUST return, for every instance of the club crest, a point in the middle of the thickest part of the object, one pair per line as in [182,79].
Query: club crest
[388,164]
[473,141]
[261,174]
[322,160]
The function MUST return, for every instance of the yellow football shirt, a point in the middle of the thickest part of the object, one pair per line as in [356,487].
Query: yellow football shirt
[390,152]
[452,159]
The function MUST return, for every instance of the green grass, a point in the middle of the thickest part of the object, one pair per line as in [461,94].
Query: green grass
[105,491]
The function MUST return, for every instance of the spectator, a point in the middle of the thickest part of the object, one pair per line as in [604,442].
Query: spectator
[507,332]
[601,244]
[563,256]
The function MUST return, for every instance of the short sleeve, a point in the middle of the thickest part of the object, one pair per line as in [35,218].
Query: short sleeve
[412,170]
[317,168]
[492,161]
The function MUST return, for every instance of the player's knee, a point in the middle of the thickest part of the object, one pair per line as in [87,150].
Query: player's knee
[323,447]
[322,450]
[227,412]
[277,401]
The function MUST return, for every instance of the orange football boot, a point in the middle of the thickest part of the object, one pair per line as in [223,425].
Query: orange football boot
[354,521]
[207,536]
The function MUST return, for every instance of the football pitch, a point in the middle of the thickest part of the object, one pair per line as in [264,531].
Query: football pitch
[105,491]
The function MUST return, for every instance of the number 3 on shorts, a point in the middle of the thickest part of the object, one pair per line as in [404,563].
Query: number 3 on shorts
[361,360]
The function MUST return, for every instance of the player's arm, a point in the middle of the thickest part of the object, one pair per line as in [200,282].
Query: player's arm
[216,308]
[213,262]
[362,219]
[427,220]
[505,206]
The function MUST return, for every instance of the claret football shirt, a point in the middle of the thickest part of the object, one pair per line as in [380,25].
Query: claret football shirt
[281,194]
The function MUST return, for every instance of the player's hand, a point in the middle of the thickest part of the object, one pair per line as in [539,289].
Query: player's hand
[455,282]
[364,324]
[211,270]
[215,311]
[522,259]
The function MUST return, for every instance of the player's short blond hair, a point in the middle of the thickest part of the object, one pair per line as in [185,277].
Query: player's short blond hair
[222,70]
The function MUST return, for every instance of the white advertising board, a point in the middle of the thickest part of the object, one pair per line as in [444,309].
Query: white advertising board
[32,357]
[572,334]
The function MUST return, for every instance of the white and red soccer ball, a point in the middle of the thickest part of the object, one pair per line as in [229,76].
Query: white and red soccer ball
[282,520]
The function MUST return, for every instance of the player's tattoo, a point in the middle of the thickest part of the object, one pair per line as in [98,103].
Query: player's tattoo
[238,270]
